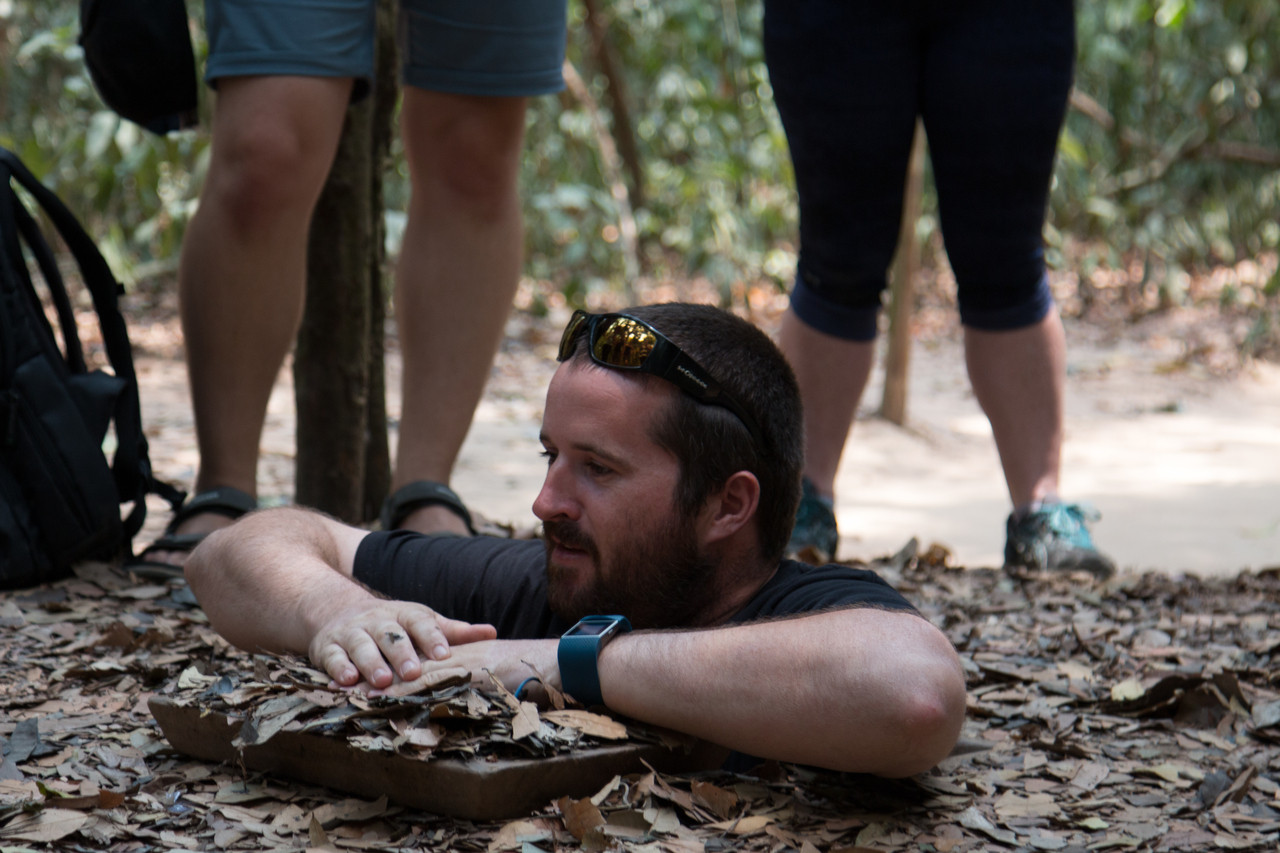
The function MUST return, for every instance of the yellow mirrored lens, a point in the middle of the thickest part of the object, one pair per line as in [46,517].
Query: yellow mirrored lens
[623,342]
[576,324]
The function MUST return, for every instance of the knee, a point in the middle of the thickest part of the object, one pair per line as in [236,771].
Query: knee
[472,162]
[260,174]
[1008,304]
[845,306]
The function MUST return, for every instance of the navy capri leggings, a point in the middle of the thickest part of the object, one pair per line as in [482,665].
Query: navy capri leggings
[989,79]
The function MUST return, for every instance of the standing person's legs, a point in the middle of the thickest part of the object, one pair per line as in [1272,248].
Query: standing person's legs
[844,78]
[243,267]
[284,74]
[1019,378]
[468,70]
[997,78]
[240,283]
[458,270]
[832,373]
[996,83]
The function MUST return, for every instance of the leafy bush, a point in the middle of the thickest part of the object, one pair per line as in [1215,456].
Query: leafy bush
[135,191]
[1182,164]
[1171,156]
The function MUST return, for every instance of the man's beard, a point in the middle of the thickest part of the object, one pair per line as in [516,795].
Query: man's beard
[662,580]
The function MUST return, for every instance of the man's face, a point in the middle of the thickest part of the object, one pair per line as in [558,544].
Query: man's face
[614,541]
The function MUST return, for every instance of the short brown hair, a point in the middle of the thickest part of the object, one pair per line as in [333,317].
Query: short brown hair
[709,442]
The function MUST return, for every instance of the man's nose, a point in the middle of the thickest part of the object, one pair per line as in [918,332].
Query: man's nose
[555,499]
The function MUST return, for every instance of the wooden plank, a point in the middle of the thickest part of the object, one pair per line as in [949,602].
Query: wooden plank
[481,789]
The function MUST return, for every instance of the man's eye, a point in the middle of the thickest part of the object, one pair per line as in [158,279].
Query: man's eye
[548,455]
[598,469]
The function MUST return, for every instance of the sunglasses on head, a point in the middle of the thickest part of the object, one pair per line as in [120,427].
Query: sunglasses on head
[625,343]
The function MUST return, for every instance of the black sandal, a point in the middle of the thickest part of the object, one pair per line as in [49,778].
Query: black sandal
[418,494]
[224,500]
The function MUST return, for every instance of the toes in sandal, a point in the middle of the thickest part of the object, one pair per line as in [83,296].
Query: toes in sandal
[420,493]
[224,500]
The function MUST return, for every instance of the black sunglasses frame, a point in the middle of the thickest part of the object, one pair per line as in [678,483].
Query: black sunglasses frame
[666,361]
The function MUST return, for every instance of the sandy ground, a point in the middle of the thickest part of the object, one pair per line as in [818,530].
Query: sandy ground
[1182,463]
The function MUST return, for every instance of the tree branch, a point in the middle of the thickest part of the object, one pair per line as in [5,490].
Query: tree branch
[610,165]
[1195,146]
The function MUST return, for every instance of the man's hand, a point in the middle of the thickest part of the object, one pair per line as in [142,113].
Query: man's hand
[510,661]
[380,640]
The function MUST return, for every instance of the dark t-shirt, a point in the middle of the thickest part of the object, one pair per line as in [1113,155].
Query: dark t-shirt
[502,582]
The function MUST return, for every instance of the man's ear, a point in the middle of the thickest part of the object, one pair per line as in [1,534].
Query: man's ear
[733,507]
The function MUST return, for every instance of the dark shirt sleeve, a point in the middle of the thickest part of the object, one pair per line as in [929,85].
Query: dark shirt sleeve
[502,582]
[801,588]
[480,579]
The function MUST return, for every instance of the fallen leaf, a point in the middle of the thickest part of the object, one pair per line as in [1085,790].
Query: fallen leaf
[1090,775]
[525,721]
[517,833]
[44,826]
[744,826]
[717,800]
[596,725]
[1010,805]
[973,819]
[1127,691]
[579,816]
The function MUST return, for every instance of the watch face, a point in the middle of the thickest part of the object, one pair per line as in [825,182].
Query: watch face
[589,629]
[598,626]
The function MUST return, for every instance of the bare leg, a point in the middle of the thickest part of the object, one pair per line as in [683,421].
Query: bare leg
[832,374]
[457,275]
[1019,379]
[243,262]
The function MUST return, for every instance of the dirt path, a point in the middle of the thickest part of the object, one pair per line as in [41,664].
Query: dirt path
[1183,464]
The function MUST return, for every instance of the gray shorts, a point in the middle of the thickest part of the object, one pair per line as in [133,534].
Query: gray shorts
[467,47]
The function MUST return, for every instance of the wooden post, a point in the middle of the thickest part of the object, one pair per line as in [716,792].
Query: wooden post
[338,384]
[906,265]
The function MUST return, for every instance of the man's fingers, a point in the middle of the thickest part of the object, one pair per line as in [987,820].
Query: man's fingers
[399,650]
[368,657]
[386,642]
[434,634]
[370,652]
[465,632]
[333,659]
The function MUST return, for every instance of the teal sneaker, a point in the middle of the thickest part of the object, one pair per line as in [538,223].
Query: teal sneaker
[814,536]
[1055,538]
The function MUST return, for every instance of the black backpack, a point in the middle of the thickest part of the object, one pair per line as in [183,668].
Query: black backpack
[140,59]
[60,499]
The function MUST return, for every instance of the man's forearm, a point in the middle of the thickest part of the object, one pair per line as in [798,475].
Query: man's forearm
[859,690]
[268,581]
[281,581]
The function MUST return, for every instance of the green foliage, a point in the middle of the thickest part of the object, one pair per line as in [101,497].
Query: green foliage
[1169,163]
[135,191]
[717,177]
[1191,91]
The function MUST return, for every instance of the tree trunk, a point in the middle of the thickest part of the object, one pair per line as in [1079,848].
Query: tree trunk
[624,131]
[893,405]
[342,464]
[377,467]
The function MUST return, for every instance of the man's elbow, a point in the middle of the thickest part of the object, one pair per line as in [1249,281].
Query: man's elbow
[209,572]
[931,715]
[198,568]
[919,712]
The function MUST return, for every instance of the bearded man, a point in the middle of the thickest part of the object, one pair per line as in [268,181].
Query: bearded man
[672,435]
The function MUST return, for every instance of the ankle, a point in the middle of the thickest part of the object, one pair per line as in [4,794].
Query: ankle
[1021,512]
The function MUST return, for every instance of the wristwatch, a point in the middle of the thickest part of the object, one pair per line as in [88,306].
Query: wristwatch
[578,652]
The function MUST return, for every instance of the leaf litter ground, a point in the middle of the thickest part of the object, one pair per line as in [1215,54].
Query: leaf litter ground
[1138,714]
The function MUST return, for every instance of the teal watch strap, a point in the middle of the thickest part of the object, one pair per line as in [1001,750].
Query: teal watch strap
[579,651]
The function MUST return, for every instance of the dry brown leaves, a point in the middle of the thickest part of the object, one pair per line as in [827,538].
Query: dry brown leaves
[1143,714]
[443,716]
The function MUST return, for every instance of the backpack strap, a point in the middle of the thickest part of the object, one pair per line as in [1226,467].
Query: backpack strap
[131,465]
[74,355]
